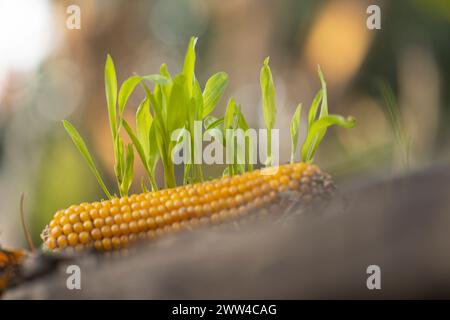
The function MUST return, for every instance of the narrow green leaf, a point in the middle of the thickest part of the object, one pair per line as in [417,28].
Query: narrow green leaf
[154,152]
[167,87]
[125,91]
[269,105]
[178,104]
[187,174]
[228,124]
[144,121]
[143,185]
[314,107]
[268,95]
[317,137]
[157,107]
[242,123]
[214,89]
[119,155]
[239,166]
[137,144]
[324,105]
[111,94]
[82,148]
[189,64]
[313,138]
[197,99]
[164,72]
[294,128]
[128,173]
[228,121]
[195,114]
[148,161]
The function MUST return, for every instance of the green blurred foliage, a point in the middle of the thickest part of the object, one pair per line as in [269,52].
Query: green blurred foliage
[64,178]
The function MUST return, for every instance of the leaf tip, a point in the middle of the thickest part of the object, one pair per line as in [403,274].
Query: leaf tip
[352,121]
[109,59]
[320,72]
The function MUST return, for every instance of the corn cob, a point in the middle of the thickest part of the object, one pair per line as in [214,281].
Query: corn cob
[10,260]
[115,223]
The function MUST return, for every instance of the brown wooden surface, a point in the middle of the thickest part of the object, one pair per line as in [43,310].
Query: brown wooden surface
[400,224]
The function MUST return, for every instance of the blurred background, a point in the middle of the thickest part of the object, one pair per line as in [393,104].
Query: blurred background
[395,82]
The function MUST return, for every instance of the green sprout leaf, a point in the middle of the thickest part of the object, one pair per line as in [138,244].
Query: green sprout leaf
[312,114]
[82,148]
[214,89]
[176,103]
[164,72]
[195,114]
[228,124]
[140,150]
[128,173]
[319,134]
[197,102]
[135,140]
[269,105]
[316,133]
[153,154]
[314,138]
[268,95]
[294,129]
[189,64]
[119,156]
[178,106]
[249,152]
[111,94]
[144,121]
[317,128]
[228,120]
[125,91]
[324,105]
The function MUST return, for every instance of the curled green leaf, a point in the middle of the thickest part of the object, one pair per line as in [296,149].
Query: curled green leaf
[317,132]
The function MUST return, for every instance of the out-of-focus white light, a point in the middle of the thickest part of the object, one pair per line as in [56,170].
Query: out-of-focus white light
[25,33]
